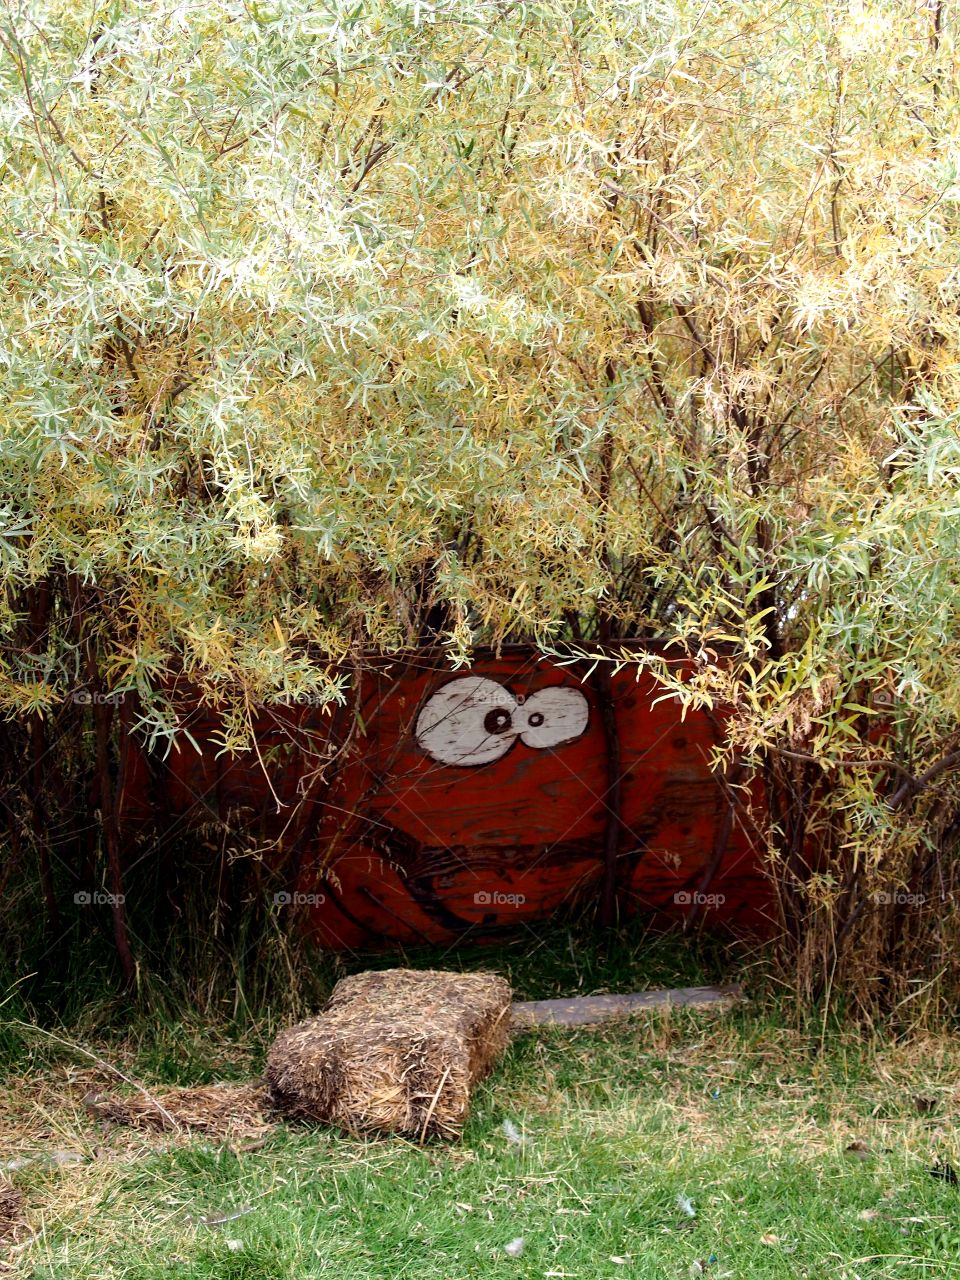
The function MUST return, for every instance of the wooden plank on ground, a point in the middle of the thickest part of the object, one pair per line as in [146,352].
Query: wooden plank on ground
[584,1011]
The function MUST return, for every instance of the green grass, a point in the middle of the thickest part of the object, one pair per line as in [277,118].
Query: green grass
[247,1004]
[745,1113]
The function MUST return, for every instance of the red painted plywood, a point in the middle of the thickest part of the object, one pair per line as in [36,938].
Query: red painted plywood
[467,803]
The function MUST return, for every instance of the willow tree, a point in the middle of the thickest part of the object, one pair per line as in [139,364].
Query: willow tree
[341,327]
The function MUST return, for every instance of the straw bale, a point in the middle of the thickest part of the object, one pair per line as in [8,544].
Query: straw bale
[397,1051]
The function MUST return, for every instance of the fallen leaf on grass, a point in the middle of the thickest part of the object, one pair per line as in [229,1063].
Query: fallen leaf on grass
[859,1150]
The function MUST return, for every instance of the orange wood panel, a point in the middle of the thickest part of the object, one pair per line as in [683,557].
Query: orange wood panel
[469,803]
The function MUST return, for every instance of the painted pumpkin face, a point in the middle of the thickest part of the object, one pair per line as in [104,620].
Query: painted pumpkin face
[474,720]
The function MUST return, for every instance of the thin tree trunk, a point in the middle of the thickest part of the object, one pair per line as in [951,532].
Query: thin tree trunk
[603,685]
[40,820]
[612,797]
[39,623]
[103,721]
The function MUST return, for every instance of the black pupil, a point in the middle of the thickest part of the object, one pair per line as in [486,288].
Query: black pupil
[536,720]
[497,721]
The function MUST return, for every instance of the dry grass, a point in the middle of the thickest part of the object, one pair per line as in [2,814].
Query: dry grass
[223,1110]
[397,1051]
[892,1096]
[751,1120]
[69,1160]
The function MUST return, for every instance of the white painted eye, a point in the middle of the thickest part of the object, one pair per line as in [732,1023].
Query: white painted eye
[468,721]
[550,717]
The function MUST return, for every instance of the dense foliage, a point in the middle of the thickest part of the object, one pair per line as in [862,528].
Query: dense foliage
[355,325]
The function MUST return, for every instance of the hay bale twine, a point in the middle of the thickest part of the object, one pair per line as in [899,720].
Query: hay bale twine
[394,1052]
